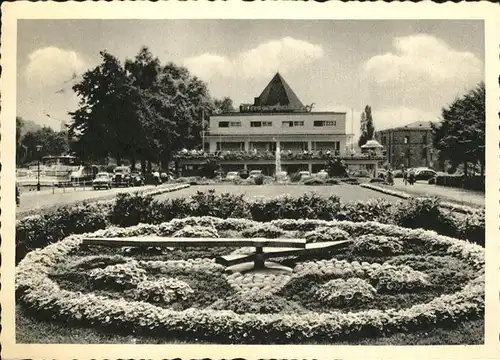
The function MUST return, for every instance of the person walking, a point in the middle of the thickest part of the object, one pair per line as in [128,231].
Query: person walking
[411,177]
[405,176]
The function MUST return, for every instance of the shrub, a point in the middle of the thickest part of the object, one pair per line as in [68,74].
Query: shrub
[339,292]
[314,181]
[371,210]
[426,214]
[377,180]
[373,245]
[130,209]
[350,180]
[324,234]
[393,279]
[225,205]
[119,276]
[166,290]
[257,303]
[37,231]
[473,228]
[196,231]
[332,181]
[265,230]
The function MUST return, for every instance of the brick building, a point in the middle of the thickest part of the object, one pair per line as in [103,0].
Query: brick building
[409,145]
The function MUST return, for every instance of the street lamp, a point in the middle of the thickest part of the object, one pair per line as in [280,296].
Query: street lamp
[38,148]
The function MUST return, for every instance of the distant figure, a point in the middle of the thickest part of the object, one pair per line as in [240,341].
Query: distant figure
[18,195]
[156,176]
[411,177]
[405,176]
[390,177]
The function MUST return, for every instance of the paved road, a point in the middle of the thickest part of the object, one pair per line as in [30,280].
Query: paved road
[460,196]
[33,200]
[345,192]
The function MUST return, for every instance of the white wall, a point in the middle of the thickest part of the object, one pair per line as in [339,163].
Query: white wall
[277,127]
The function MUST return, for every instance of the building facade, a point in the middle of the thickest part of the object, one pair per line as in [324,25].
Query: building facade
[409,146]
[277,119]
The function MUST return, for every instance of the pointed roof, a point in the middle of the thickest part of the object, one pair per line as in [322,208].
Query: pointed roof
[278,92]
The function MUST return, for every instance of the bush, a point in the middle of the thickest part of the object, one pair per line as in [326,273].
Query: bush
[38,231]
[426,214]
[377,180]
[339,292]
[324,234]
[373,245]
[165,290]
[332,181]
[371,210]
[314,181]
[225,205]
[266,231]
[131,209]
[461,181]
[350,181]
[257,303]
[120,276]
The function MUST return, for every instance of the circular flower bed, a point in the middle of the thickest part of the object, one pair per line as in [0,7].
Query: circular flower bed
[424,280]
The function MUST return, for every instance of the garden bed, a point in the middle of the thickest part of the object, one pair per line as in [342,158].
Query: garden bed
[389,280]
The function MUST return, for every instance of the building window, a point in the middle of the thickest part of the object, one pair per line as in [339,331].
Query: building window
[223,124]
[235,124]
[407,139]
[292,123]
[255,124]
[424,153]
[267,123]
[384,140]
[320,123]
[424,139]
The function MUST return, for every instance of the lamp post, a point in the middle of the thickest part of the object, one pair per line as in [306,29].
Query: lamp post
[38,148]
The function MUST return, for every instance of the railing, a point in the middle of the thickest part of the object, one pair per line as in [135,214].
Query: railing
[285,155]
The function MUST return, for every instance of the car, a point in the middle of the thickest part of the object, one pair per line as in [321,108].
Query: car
[122,176]
[137,179]
[424,173]
[322,175]
[231,175]
[282,176]
[304,175]
[102,180]
[255,173]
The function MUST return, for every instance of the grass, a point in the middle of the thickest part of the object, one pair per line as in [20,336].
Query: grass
[345,192]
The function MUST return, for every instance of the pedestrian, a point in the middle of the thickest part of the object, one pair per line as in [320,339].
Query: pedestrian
[411,177]
[18,195]
[405,176]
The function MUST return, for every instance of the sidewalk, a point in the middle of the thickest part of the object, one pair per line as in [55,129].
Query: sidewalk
[454,195]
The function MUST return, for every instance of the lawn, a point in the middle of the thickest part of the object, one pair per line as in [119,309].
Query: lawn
[346,192]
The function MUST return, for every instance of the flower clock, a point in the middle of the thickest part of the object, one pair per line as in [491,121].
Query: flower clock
[387,280]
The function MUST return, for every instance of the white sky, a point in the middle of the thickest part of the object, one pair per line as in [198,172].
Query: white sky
[406,70]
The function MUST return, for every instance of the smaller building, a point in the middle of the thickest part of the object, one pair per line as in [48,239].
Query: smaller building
[409,146]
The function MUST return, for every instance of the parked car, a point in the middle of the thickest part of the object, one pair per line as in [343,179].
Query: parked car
[322,175]
[255,173]
[304,175]
[102,180]
[137,179]
[122,176]
[424,174]
[231,175]
[282,176]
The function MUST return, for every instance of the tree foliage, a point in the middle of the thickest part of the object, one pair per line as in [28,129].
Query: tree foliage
[140,110]
[367,127]
[460,136]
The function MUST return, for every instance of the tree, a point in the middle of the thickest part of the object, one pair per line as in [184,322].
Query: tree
[460,136]
[367,127]
[336,168]
[224,105]
[52,143]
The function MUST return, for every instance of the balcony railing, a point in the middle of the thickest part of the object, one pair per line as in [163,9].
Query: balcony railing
[268,155]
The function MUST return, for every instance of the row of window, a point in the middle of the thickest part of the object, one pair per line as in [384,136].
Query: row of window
[271,146]
[317,123]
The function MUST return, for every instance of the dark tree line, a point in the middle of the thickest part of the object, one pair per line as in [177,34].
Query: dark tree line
[140,110]
[460,136]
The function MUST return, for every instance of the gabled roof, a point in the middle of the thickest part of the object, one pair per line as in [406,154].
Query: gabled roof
[278,92]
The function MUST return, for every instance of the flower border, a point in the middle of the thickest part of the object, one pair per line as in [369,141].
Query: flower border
[37,290]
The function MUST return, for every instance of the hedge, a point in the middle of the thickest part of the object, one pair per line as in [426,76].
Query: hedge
[36,290]
[460,181]
[131,209]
